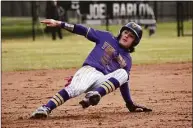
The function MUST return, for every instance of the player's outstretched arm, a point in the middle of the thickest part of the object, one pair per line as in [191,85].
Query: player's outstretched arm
[125,92]
[129,103]
[89,33]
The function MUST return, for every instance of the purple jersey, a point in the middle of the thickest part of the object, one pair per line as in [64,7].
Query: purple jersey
[107,55]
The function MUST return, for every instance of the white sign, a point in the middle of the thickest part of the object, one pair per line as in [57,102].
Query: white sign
[97,11]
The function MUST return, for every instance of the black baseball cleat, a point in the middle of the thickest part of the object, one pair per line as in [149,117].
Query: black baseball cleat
[94,97]
[91,98]
[84,103]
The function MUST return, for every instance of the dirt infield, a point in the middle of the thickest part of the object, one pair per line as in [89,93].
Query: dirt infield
[166,88]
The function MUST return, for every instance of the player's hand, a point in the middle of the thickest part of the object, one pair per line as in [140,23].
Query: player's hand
[51,22]
[137,108]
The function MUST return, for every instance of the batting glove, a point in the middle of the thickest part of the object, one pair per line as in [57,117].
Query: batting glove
[137,108]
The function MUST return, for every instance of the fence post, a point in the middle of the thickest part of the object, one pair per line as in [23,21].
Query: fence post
[177,19]
[182,18]
[107,18]
[155,10]
[33,19]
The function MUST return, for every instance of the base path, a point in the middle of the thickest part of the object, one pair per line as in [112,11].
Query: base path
[166,88]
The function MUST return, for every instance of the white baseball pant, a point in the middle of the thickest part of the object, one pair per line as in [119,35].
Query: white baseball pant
[87,78]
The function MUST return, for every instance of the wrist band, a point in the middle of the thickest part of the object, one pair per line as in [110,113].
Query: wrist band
[69,27]
[62,24]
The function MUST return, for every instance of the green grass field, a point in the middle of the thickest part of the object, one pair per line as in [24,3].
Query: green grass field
[24,54]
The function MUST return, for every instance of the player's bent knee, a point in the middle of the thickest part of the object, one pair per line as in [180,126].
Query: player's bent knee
[121,75]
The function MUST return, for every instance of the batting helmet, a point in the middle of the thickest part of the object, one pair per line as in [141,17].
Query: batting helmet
[135,29]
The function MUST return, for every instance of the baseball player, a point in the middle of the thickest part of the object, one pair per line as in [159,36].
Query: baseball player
[105,69]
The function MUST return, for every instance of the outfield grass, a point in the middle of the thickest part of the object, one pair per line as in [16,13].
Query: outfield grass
[24,54]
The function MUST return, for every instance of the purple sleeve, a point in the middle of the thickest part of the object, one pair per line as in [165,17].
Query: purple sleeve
[90,33]
[125,92]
